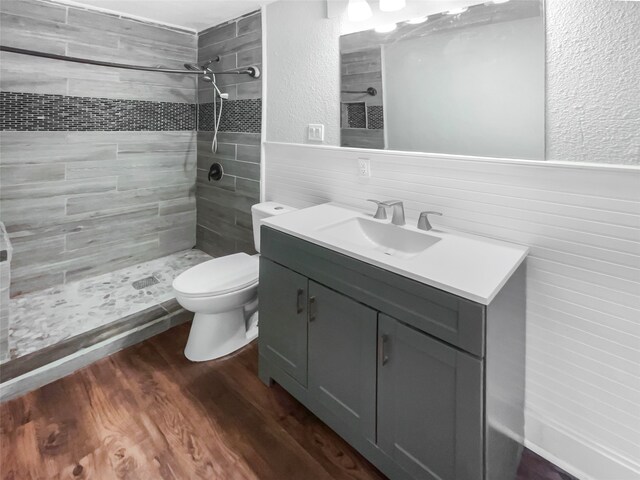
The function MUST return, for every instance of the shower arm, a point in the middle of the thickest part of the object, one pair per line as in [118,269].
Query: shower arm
[251,71]
[369,91]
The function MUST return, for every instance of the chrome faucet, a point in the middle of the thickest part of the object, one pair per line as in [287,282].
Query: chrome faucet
[423,221]
[398,211]
[381,212]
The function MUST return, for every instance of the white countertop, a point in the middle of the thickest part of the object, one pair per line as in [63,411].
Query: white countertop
[470,266]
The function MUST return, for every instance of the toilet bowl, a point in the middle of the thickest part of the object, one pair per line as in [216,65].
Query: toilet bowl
[223,294]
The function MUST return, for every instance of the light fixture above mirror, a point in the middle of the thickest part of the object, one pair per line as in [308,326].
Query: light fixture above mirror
[358,10]
[389,27]
[457,11]
[392,5]
[417,20]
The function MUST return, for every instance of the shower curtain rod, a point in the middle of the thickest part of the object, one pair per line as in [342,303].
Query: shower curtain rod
[251,71]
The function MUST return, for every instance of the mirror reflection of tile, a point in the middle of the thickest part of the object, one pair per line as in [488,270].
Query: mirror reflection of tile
[359,115]
[362,122]
[355,115]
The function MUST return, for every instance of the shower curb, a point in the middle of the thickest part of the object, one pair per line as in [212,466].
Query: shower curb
[87,355]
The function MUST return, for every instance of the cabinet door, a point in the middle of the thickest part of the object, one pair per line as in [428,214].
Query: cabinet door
[283,319]
[429,405]
[342,360]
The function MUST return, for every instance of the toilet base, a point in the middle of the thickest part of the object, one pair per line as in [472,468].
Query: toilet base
[216,335]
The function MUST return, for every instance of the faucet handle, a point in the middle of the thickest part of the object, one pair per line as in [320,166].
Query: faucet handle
[381,212]
[423,221]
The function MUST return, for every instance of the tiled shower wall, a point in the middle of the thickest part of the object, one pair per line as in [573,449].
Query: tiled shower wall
[361,123]
[224,207]
[97,164]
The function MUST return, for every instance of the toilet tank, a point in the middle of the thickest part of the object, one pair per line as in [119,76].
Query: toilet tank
[264,210]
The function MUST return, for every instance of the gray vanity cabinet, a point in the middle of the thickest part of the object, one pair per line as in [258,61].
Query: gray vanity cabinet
[342,360]
[429,404]
[283,319]
[425,384]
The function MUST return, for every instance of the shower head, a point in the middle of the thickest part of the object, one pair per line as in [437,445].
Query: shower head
[196,67]
[207,73]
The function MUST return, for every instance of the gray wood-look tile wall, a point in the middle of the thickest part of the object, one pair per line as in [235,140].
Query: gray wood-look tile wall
[224,207]
[77,204]
[65,30]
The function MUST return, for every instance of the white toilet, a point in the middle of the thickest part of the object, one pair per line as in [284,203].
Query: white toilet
[223,294]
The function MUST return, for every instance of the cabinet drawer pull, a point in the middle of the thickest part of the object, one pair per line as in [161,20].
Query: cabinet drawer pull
[300,301]
[313,309]
[382,348]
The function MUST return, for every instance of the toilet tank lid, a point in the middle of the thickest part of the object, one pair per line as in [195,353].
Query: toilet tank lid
[271,208]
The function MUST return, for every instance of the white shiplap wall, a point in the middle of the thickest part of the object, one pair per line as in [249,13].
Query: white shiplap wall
[582,222]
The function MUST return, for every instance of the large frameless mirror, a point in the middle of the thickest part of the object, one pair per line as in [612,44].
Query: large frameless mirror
[466,80]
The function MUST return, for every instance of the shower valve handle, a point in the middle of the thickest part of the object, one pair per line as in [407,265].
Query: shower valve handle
[215,172]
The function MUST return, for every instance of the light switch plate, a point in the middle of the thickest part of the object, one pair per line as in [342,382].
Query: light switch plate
[316,132]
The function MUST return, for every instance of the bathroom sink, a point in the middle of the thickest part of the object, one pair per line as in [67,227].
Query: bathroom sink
[466,265]
[382,237]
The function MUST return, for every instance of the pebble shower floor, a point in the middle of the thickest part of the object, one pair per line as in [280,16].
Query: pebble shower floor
[59,313]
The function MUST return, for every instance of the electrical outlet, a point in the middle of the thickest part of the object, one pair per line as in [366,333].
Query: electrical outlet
[364,167]
[316,132]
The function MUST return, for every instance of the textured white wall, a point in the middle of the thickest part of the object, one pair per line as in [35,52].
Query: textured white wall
[593,81]
[302,71]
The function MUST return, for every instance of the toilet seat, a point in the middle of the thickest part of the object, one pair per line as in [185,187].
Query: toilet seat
[218,276]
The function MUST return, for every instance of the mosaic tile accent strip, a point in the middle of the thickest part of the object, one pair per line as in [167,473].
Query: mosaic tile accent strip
[237,116]
[40,112]
[356,115]
[375,117]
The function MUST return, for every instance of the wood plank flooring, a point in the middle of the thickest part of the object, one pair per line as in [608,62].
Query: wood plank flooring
[148,413]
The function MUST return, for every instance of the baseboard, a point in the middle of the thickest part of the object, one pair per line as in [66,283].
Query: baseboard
[62,367]
[575,454]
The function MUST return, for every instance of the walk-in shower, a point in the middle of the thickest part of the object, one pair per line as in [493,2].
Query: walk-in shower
[92,198]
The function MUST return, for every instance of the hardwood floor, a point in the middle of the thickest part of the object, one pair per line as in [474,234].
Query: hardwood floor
[147,413]
[534,467]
